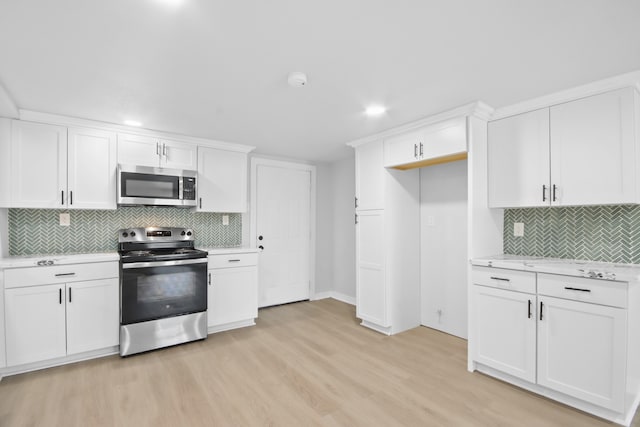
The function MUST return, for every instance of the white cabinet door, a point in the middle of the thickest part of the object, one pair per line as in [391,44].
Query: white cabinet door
[35,322]
[92,315]
[518,160]
[582,351]
[371,292]
[92,166]
[222,180]
[505,331]
[402,149]
[444,139]
[233,295]
[369,176]
[138,150]
[39,165]
[178,155]
[593,150]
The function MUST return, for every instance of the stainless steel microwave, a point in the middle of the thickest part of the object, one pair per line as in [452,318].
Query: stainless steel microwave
[143,185]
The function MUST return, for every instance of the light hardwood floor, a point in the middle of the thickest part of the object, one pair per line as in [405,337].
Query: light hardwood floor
[304,364]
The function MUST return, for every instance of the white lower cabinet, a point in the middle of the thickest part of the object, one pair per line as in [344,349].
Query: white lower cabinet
[582,351]
[567,337]
[51,320]
[233,291]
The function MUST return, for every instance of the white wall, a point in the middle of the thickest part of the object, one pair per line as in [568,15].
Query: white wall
[324,228]
[344,231]
[443,247]
[4,233]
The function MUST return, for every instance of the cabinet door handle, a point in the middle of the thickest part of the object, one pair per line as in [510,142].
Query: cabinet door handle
[62,197]
[541,310]
[164,150]
[569,288]
[421,146]
[200,202]
[529,315]
[157,148]
[356,218]
[544,193]
[69,294]
[70,197]
[209,279]
[64,274]
[356,201]
[500,278]
[553,197]
[60,295]
[415,151]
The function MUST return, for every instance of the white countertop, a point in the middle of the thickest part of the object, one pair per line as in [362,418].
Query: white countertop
[58,259]
[63,259]
[569,267]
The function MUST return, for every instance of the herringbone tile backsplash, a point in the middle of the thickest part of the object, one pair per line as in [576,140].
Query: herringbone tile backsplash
[37,231]
[597,233]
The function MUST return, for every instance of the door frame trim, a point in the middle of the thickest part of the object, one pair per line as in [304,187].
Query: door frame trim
[260,161]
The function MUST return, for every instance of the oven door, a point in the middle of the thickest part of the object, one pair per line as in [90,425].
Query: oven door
[160,289]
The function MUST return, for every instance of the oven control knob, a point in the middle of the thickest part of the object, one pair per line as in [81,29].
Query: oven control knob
[188,233]
[125,234]
[182,233]
[133,233]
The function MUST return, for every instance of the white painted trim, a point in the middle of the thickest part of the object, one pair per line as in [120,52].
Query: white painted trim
[589,89]
[34,116]
[13,111]
[478,109]
[20,369]
[336,296]
[230,326]
[255,162]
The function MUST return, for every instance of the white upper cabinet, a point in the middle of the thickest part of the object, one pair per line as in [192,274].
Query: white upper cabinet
[142,150]
[51,171]
[436,143]
[518,160]
[91,169]
[369,176]
[593,150]
[222,180]
[581,152]
[39,165]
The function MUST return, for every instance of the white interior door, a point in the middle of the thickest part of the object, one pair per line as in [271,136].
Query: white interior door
[283,231]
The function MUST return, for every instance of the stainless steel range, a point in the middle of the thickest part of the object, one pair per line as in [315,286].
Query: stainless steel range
[163,288]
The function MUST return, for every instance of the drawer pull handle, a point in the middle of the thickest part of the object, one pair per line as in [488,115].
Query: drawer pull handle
[540,310]
[569,288]
[500,278]
[234,260]
[65,274]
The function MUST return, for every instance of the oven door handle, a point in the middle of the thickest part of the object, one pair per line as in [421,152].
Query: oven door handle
[164,263]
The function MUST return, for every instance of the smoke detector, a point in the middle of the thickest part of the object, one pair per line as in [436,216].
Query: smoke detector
[297,79]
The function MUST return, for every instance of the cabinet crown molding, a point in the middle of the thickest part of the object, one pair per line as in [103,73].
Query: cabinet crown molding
[631,79]
[476,109]
[35,116]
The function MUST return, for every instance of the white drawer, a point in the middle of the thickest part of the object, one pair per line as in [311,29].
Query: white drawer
[605,292]
[513,280]
[233,260]
[33,276]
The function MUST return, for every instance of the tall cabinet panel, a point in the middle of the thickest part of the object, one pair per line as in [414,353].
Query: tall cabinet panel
[370,259]
[369,176]
[39,165]
[92,169]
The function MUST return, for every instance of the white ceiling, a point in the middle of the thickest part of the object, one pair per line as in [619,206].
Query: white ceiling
[218,69]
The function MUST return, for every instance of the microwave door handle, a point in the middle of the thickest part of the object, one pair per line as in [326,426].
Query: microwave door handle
[180,187]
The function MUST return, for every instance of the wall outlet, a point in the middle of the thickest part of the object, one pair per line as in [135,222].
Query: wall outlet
[518,229]
[65,219]
[431,221]
[225,219]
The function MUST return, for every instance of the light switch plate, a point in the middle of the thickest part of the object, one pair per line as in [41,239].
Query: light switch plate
[225,219]
[518,229]
[65,219]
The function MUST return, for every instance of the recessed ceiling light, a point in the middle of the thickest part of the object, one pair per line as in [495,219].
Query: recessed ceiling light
[375,110]
[132,123]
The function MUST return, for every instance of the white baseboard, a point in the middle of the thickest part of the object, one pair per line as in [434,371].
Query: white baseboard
[335,295]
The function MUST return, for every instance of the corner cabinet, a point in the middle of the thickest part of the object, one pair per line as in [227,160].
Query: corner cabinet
[233,291]
[581,152]
[222,180]
[65,168]
[572,339]
[387,243]
[58,311]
